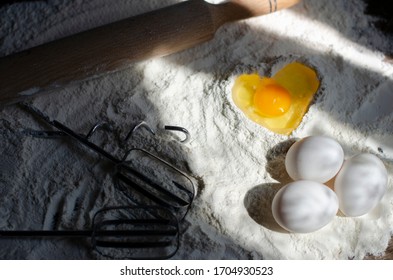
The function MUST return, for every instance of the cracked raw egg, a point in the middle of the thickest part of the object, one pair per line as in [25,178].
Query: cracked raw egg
[280,102]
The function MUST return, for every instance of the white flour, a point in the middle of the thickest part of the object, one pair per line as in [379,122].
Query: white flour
[239,165]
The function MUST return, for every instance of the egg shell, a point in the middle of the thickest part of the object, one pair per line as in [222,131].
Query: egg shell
[304,206]
[360,184]
[315,158]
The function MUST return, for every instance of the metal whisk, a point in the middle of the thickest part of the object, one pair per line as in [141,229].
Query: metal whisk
[146,179]
[124,232]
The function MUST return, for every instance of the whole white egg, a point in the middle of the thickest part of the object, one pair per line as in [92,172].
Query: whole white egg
[360,184]
[314,158]
[304,206]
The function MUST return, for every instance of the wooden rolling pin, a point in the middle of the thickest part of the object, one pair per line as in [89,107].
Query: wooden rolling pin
[66,61]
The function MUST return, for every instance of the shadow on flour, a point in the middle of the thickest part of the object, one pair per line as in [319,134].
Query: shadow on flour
[362,32]
[258,200]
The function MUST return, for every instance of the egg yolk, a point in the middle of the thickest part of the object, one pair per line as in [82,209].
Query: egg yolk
[280,102]
[272,100]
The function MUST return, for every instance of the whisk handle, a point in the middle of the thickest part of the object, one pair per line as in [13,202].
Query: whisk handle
[45,233]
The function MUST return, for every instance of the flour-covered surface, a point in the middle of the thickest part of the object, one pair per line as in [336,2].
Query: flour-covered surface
[237,165]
